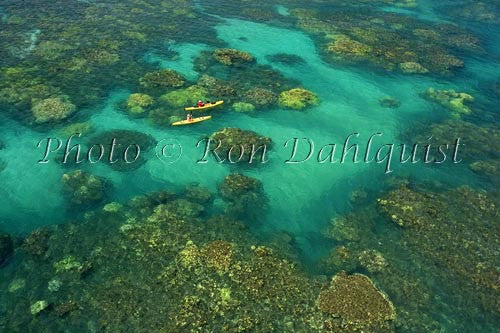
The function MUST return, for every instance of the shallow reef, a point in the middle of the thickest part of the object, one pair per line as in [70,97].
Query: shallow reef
[245,197]
[457,231]
[83,188]
[162,255]
[356,304]
[378,38]
[128,148]
[454,101]
[297,99]
[411,226]
[480,148]
[241,79]
[234,145]
[400,256]
[232,57]
[85,52]
[286,59]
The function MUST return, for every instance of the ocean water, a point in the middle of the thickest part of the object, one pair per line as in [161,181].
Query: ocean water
[304,197]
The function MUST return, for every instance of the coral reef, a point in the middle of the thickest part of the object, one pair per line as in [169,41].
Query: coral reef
[343,45]
[243,107]
[185,97]
[356,305]
[165,78]
[217,87]
[297,99]
[260,97]
[87,51]
[74,128]
[139,103]
[450,99]
[245,197]
[236,185]
[84,188]
[199,194]
[412,67]
[16,285]
[218,255]
[373,261]
[378,38]
[489,168]
[456,230]
[479,11]
[232,57]
[483,142]
[127,156]
[38,307]
[68,263]
[37,242]
[235,142]
[52,109]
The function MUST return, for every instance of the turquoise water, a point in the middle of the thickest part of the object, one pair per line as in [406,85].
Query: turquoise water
[349,105]
[303,198]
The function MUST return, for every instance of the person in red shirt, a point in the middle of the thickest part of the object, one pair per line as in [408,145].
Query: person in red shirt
[200,103]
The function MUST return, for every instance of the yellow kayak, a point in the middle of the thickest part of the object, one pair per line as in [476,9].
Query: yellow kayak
[204,107]
[193,121]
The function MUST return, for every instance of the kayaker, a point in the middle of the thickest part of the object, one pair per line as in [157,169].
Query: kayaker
[189,117]
[200,103]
